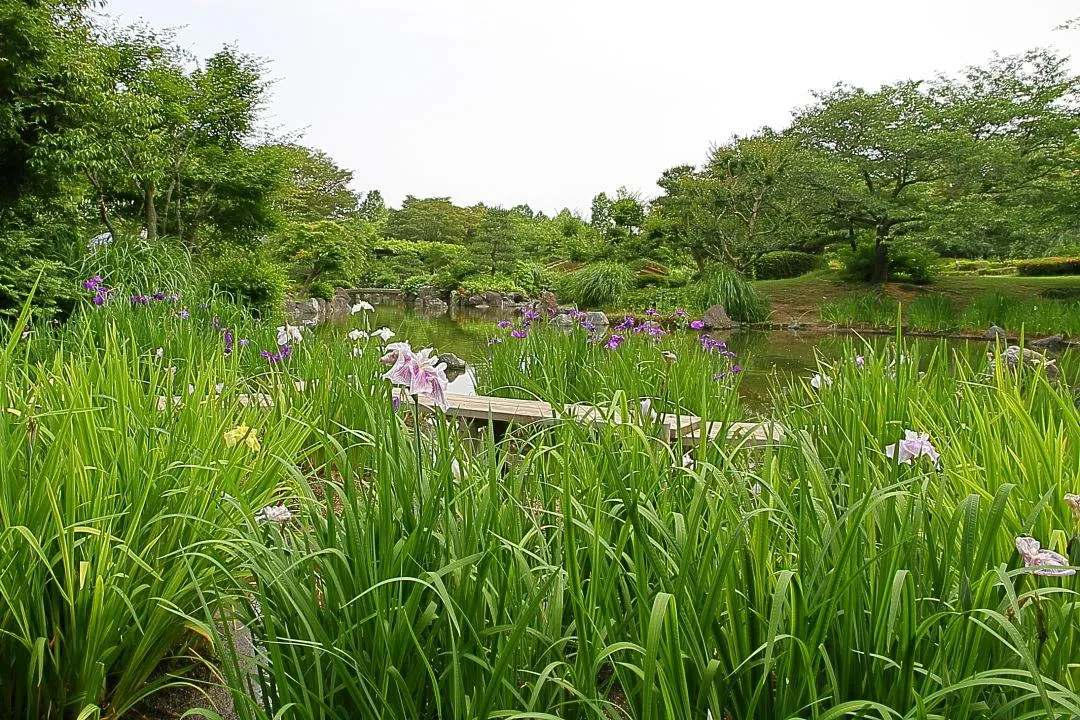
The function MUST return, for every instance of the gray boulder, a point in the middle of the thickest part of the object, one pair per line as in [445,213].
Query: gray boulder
[1054,342]
[1014,356]
[453,362]
[547,300]
[475,300]
[297,311]
[994,332]
[341,306]
[562,320]
[493,299]
[433,306]
[716,318]
[597,318]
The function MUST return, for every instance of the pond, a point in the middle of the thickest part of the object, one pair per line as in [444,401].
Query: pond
[764,355]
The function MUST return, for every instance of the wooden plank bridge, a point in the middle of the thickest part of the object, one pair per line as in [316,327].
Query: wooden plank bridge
[687,429]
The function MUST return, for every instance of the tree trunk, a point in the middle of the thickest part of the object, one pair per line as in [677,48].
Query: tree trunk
[168,207]
[881,262]
[103,212]
[151,211]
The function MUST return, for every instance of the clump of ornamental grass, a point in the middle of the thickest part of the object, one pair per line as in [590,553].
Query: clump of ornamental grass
[723,285]
[598,285]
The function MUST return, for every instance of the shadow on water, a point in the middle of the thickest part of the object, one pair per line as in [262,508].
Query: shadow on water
[764,355]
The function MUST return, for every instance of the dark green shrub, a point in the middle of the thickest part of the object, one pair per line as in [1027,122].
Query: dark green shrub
[910,261]
[723,285]
[250,279]
[783,264]
[413,283]
[532,277]
[1041,267]
[597,285]
[322,290]
[39,254]
[478,284]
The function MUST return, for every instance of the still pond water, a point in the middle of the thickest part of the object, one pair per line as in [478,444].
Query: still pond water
[764,355]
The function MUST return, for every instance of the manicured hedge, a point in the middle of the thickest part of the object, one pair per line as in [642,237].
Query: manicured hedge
[1049,266]
[784,264]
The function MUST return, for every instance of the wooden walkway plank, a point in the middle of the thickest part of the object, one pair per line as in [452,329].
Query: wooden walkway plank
[687,428]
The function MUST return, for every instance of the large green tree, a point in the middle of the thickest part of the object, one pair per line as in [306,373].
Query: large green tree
[316,187]
[432,220]
[749,199]
[47,71]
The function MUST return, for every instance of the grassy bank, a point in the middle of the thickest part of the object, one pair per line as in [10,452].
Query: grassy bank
[1042,305]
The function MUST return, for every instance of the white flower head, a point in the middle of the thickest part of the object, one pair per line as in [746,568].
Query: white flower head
[384,333]
[289,334]
[1049,562]
[159,353]
[362,306]
[1073,501]
[274,513]
[912,447]
[819,381]
[357,335]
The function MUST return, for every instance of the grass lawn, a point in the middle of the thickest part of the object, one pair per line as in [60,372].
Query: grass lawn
[800,299]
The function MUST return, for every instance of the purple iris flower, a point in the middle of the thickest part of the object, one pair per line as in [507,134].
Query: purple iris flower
[244,342]
[275,357]
[159,296]
[588,325]
[173,298]
[709,344]
[99,298]
[216,322]
[394,402]
[657,331]
[651,312]
[504,325]
[93,283]
[519,334]
[626,324]
[697,324]
[736,369]
[679,312]
[531,315]
[183,314]
[614,341]
[140,300]
[720,375]
[228,341]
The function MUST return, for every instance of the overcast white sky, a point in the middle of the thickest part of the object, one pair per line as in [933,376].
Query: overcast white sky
[548,103]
